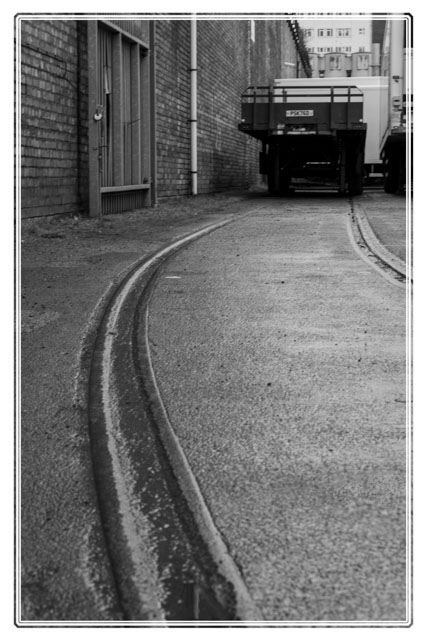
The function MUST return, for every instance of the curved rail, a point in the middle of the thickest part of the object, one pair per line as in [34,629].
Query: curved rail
[169,560]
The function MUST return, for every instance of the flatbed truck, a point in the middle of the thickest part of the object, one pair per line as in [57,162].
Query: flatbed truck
[312,136]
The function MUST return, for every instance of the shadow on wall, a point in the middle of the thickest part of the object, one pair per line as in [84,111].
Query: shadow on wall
[229,174]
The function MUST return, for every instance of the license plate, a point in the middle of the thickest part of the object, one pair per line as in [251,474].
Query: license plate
[299,113]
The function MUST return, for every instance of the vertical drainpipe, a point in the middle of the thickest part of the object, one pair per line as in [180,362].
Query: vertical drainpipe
[193,104]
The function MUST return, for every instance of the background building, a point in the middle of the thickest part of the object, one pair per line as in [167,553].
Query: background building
[343,47]
[107,108]
[346,36]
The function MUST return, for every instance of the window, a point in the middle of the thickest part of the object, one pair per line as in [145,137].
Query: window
[128,120]
[363,62]
[344,33]
[362,31]
[334,63]
[308,33]
[105,53]
[320,49]
[324,33]
[361,48]
[121,146]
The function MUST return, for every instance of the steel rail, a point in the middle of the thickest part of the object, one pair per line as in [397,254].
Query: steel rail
[169,561]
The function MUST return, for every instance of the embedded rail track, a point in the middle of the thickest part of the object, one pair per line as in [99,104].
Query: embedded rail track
[372,249]
[169,561]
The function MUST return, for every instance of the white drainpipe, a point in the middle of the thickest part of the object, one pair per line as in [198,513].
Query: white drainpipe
[193,107]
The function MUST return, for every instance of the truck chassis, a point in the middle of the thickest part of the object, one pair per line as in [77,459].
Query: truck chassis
[312,136]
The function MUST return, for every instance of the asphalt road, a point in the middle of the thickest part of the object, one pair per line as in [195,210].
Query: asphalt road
[280,357]
[384,213]
[67,267]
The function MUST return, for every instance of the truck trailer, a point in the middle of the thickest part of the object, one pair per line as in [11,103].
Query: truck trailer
[313,135]
[397,118]
[375,105]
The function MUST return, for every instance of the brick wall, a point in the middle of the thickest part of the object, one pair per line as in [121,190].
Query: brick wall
[52,128]
[290,60]
[173,107]
[228,61]
[226,157]
[267,51]
[54,102]
[273,53]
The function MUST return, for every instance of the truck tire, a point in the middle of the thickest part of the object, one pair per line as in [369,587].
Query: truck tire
[355,174]
[278,178]
[273,176]
[391,173]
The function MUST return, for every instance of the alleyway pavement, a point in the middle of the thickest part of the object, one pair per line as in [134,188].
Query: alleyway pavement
[281,360]
[67,268]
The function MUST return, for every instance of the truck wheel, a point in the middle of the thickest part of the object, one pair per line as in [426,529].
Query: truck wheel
[355,174]
[273,177]
[285,181]
[391,174]
[355,185]
[272,186]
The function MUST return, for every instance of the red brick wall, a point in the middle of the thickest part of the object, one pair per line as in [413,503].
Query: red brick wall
[53,131]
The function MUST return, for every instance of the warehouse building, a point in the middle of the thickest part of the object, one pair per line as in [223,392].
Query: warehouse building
[115,115]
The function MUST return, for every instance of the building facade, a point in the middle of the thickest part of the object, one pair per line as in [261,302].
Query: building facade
[337,35]
[342,47]
[107,109]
